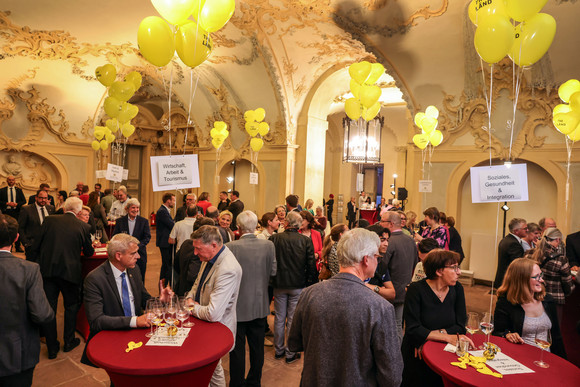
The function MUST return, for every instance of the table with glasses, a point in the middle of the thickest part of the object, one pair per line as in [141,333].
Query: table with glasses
[88,265]
[559,373]
[192,364]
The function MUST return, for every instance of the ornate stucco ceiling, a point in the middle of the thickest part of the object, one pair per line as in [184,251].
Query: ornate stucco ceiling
[272,54]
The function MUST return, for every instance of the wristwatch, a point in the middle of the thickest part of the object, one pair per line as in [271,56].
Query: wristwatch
[377,289]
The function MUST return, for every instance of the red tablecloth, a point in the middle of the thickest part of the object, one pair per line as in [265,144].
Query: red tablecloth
[192,364]
[369,215]
[89,264]
[560,373]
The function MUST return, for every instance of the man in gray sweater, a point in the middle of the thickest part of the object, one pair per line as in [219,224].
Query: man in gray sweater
[348,332]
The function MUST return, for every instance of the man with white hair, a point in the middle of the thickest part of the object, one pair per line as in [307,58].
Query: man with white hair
[257,258]
[362,347]
[118,206]
[58,250]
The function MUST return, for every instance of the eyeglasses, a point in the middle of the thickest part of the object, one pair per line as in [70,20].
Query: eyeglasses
[538,277]
[455,268]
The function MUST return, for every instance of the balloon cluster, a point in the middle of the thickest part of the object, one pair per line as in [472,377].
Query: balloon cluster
[255,125]
[497,37]
[116,105]
[219,133]
[428,123]
[566,117]
[365,102]
[192,40]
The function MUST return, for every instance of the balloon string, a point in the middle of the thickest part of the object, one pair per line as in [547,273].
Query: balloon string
[169,108]
[191,97]
[569,152]
[488,101]
[518,79]
[494,254]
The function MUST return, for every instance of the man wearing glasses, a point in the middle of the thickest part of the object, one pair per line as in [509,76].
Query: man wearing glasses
[510,248]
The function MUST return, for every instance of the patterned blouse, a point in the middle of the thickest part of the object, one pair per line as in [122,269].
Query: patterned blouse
[557,277]
[332,260]
[440,234]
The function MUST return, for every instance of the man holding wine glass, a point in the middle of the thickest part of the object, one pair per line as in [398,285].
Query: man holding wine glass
[114,294]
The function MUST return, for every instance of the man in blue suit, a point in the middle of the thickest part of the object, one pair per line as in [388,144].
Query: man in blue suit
[165,224]
[138,227]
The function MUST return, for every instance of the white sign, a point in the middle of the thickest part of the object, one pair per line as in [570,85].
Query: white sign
[100,174]
[504,364]
[253,178]
[499,183]
[163,340]
[425,185]
[360,179]
[125,174]
[114,173]
[174,172]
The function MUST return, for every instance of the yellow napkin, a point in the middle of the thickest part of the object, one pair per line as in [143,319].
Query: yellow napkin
[476,362]
[133,345]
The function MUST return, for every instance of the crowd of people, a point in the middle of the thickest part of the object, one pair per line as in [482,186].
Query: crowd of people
[358,300]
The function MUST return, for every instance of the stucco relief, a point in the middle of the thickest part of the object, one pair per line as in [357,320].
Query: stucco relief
[29,169]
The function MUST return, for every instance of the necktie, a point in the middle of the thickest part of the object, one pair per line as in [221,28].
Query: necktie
[125,291]
[43,214]
[11,194]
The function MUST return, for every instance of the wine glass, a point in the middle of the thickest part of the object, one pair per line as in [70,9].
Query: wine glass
[150,313]
[98,236]
[472,325]
[157,313]
[486,326]
[187,305]
[171,311]
[182,314]
[543,340]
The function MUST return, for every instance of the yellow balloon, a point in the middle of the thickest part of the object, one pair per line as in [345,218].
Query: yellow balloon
[95,145]
[421,140]
[428,124]
[113,125]
[249,116]
[127,130]
[436,138]
[263,128]
[369,95]
[566,123]
[217,143]
[568,88]
[112,106]
[259,114]
[99,132]
[418,118]
[370,113]
[561,108]
[127,113]
[193,44]
[354,88]
[104,144]
[122,90]
[106,74]
[134,78]
[174,11]
[155,40]
[216,13]
[432,112]
[377,70]
[575,102]
[109,137]
[220,125]
[521,10]
[575,135]
[218,134]
[252,128]
[479,10]
[494,38]
[360,71]
[256,144]
[198,6]
[352,108]
[533,39]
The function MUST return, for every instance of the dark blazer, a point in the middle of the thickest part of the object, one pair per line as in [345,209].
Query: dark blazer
[29,223]
[510,318]
[32,199]
[236,209]
[23,308]
[573,248]
[164,226]
[508,249]
[20,200]
[103,304]
[351,215]
[59,245]
[181,213]
[187,264]
[141,232]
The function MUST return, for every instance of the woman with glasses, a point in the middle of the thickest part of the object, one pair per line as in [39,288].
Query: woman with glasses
[550,255]
[434,310]
[523,307]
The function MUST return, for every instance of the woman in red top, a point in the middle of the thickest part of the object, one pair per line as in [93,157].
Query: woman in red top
[306,229]
[203,201]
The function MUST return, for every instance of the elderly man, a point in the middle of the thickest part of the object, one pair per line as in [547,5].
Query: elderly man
[400,259]
[546,223]
[361,348]
[215,291]
[58,249]
[118,206]
[24,306]
[510,248]
[257,258]
[190,200]
[164,226]
[11,201]
[296,270]
[183,229]
[114,294]
[138,227]
[30,221]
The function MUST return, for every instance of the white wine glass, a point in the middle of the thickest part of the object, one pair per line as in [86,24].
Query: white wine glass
[98,236]
[543,340]
[486,326]
[157,313]
[171,311]
[150,313]
[472,325]
[187,305]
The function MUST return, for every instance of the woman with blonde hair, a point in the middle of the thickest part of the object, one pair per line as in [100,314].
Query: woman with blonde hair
[308,206]
[523,307]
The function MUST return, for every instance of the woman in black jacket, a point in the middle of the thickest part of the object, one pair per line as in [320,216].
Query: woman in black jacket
[523,307]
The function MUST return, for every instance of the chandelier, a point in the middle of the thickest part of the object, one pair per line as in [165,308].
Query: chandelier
[362,140]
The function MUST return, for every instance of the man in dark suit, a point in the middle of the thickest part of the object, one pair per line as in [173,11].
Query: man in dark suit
[510,248]
[164,226]
[224,201]
[114,294]
[138,227]
[58,248]
[351,214]
[257,257]
[46,187]
[573,250]
[190,200]
[31,218]
[24,306]
[236,207]
[11,201]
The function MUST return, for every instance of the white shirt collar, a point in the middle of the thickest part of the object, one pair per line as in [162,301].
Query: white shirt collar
[517,237]
[116,272]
